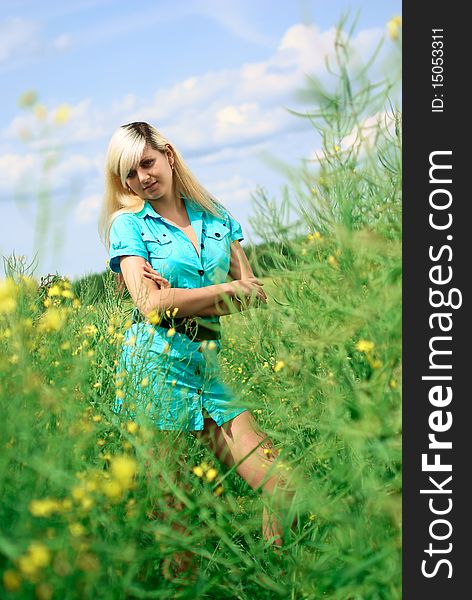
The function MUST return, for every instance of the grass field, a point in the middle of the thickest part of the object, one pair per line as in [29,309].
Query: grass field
[84,508]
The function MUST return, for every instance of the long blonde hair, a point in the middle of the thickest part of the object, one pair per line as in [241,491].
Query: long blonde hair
[124,153]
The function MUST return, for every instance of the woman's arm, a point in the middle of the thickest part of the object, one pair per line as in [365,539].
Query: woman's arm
[147,295]
[240,268]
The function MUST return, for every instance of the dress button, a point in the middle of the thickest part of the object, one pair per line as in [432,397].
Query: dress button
[201,271]
[201,245]
[217,234]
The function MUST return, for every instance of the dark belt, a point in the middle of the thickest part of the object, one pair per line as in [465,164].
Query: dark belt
[196,331]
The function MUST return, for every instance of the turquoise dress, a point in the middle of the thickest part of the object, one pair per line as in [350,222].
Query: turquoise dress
[175,380]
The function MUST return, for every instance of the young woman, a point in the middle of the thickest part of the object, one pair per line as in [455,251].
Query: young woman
[176,247]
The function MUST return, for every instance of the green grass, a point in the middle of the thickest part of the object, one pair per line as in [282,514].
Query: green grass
[319,366]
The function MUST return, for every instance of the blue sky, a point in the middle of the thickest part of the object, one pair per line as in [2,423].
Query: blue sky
[213,76]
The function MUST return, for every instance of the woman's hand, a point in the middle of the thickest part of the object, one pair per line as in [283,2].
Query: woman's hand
[248,288]
[150,273]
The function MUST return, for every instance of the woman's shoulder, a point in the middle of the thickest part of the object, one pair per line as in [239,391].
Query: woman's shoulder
[125,224]
[124,219]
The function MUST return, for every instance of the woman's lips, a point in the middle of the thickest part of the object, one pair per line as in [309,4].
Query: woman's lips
[149,186]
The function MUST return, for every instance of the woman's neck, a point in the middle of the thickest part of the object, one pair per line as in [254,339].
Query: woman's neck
[174,210]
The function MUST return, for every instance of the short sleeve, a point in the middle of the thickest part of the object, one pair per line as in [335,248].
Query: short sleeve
[125,240]
[236,231]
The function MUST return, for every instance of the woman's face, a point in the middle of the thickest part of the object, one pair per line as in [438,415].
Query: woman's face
[152,178]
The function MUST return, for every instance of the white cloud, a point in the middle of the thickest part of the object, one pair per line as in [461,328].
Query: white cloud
[205,113]
[18,39]
[87,210]
[75,166]
[17,171]
[25,171]
[363,137]
[232,191]
[63,42]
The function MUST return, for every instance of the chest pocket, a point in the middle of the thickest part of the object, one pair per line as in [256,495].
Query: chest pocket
[158,245]
[217,232]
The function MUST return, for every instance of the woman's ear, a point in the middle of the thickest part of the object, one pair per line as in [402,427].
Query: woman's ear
[170,155]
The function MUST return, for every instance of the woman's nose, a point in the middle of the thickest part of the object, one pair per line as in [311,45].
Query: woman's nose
[142,176]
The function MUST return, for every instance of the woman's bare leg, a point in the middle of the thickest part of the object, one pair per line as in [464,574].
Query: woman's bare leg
[181,561]
[241,442]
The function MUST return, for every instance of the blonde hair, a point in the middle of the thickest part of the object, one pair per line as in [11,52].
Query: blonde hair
[124,153]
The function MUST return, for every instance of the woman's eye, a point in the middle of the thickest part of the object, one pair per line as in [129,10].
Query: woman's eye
[148,162]
[131,174]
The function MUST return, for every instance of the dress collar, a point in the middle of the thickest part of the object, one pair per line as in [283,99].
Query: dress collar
[148,211]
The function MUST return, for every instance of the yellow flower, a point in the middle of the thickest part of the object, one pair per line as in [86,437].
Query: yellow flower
[120,394]
[62,114]
[123,469]
[132,427]
[66,504]
[11,580]
[36,557]
[144,381]
[198,471]
[211,345]
[154,317]
[218,490]
[375,363]
[44,507]
[393,383]
[171,332]
[333,262]
[8,295]
[89,330]
[112,489]
[52,320]
[365,346]
[39,554]
[54,290]
[336,148]
[96,418]
[279,365]
[211,474]
[67,294]
[393,27]
[173,382]
[76,529]
[78,492]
